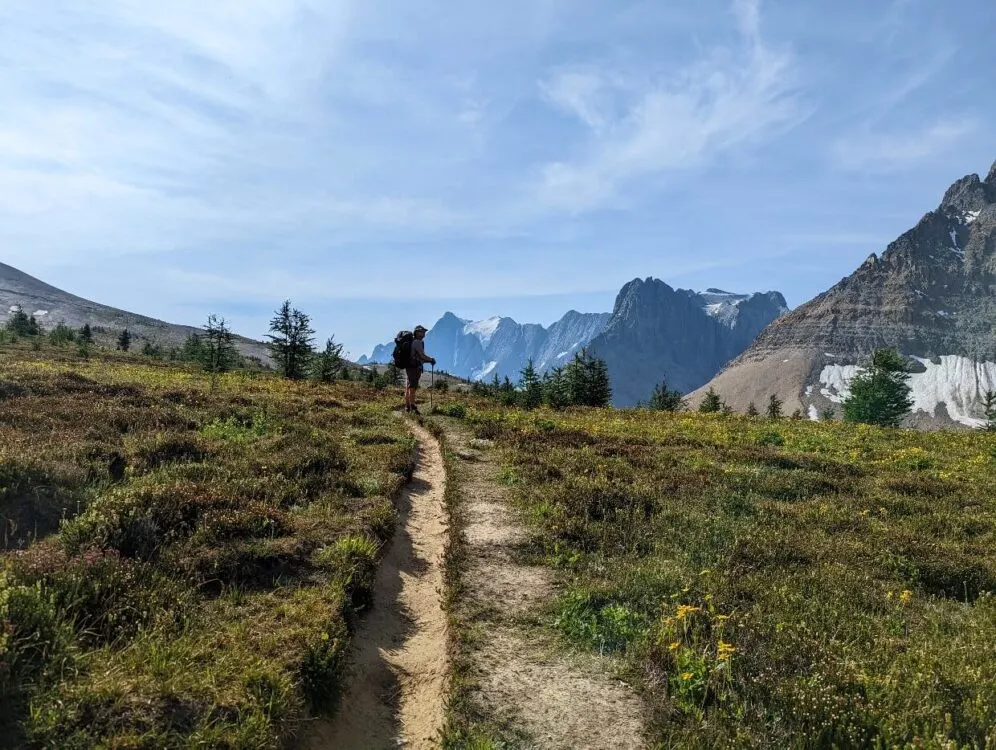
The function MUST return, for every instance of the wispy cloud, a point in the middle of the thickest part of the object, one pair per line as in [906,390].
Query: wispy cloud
[142,126]
[641,126]
[892,151]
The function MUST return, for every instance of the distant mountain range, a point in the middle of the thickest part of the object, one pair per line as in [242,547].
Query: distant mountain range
[52,306]
[653,332]
[931,294]
[479,350]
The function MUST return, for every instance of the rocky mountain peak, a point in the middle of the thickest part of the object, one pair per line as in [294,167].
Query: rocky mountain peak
[685,336]
[930,294]
[967,194]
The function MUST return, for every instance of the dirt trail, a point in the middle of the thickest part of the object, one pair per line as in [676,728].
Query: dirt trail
[522,680]
[397,689]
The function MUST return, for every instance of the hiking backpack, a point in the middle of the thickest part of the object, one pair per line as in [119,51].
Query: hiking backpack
[403,349]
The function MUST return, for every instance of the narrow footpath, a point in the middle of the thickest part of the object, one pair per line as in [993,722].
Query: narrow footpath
[520,680]
[396,694]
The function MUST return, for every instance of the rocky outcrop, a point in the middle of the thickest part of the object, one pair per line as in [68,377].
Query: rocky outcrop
[931,294]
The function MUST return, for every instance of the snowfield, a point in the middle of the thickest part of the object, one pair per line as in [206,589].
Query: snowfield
[483,329]
[957,382]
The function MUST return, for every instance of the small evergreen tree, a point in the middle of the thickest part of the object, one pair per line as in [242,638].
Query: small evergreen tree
[711,403]
[86,334]
[124,341]
[752,410]
[61,335]
[774,407]
[587,380]
[507,395]
[328,363]
[291,341]
[797,414]
[556,393]
[392,375]
[530,387]
[880,393]
[989,410]
[193,349]
[217,353]
[829,414]
[19,324]
[666,399]
[152,350]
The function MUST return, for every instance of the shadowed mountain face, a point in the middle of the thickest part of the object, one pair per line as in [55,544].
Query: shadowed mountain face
[931,294]
[657,332]
[52,306]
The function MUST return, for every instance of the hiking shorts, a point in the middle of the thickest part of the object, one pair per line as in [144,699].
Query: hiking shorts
[413,373]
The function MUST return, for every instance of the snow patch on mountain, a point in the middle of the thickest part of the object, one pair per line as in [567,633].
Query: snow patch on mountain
[484,330]
[955,381]
[484,371]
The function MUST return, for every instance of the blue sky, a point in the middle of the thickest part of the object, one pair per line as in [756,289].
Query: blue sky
[382,161]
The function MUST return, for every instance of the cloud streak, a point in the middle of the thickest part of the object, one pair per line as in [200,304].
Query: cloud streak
[732,97]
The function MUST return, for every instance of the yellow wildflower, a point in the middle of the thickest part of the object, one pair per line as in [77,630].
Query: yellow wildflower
[906,596]
[684,610]
[687,675]
[725,650]
[675,646]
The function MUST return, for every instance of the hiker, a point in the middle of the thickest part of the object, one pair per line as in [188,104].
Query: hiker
[412,363]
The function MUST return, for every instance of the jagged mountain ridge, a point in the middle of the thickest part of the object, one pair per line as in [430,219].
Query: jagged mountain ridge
[698,332]
[481,349]
[658,332]
[931,294]
[52,306]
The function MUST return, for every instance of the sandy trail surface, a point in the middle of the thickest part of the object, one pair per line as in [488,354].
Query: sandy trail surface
[396,692]
[522,678]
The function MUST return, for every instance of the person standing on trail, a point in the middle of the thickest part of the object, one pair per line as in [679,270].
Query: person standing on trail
[413,370]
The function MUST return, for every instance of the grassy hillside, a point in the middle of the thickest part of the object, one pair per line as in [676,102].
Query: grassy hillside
[770,584]
[195,555]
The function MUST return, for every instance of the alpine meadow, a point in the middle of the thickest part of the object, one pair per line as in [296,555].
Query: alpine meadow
[524,375]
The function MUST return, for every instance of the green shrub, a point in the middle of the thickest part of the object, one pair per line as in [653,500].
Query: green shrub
[239,429]
[770,438]
[597,623]
[457,411]
[353,559]
[322,668]
[33,639]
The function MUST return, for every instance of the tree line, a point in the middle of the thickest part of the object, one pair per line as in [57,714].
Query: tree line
[584,381]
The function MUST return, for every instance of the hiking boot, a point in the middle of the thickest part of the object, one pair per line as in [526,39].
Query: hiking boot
[414,410]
